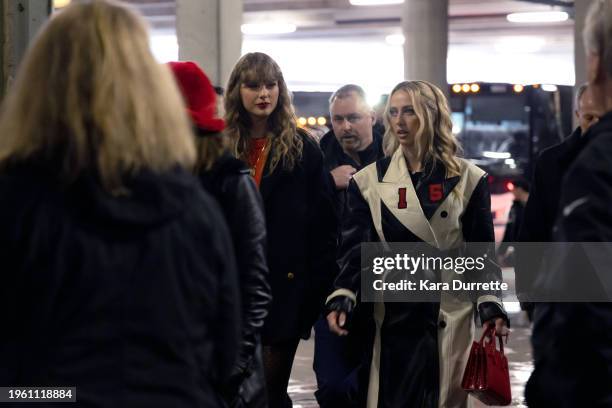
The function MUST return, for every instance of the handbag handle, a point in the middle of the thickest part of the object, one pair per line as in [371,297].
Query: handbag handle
[492,333]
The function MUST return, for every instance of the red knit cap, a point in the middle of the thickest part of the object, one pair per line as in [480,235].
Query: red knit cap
[199,95]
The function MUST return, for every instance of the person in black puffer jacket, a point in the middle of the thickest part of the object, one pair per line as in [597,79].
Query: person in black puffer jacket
[229,181]
[118,273]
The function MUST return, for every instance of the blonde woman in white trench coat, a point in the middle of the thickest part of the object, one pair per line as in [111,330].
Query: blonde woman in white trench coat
[420,349]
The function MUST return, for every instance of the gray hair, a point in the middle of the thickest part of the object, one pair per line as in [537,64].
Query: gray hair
[347,90]
[597,33]
[579,92]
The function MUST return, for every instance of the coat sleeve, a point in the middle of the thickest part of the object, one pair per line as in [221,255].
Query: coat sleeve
[357,227]
[244,212]
[477,226]
[322,231]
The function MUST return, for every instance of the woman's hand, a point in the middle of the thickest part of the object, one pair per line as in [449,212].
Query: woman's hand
[336,321]
[501,329]
[339,309]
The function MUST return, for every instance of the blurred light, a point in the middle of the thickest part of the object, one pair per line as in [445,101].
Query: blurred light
[164,47]
[536,86]
[509,186]
[60,3]
[374,2]
[465,88]
[268,28]
[538,17]
[518,88]
[321,121]
[302,121]
[475,88]
[497,155]
[312,121]
[395,39]
[520,45]
[509,161]
[456,88]
[549,88]
[456,129]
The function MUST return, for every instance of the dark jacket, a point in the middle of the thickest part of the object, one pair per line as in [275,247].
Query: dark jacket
[302,234]
[334,157]
[131,298]
[572,342]
[230,182]
[541,209]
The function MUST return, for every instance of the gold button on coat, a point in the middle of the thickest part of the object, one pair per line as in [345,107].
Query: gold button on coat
[290,275]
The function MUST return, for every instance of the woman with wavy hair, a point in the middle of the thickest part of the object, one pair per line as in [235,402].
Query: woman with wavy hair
[287,165]
[422,193]
[118,272]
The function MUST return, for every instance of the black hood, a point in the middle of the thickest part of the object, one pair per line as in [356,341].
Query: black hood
[150,199]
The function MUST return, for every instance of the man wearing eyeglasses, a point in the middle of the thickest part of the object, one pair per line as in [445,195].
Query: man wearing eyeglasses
[341,363]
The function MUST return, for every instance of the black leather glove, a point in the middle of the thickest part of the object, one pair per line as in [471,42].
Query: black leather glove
[340,304]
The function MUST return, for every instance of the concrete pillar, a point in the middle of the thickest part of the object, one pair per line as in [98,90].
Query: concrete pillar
[425,27]
[19,23]
[208,32]
[580,11]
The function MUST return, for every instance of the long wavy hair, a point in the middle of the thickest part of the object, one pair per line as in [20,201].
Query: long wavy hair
[90,97]
[287,146]
[434,138]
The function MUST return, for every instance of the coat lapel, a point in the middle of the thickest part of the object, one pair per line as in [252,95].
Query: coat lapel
[412,217]
[269,180]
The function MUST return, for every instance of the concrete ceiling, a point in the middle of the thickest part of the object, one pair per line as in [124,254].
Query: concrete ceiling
[331,18]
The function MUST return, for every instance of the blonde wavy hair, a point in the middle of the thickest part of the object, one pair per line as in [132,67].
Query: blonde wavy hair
[287,146]
[90,97]
[434,138]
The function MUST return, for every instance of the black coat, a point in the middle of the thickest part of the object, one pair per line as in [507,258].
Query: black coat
[132,299]
[572,342]
[302,234]
[230,182]
[542,206]
[545,192]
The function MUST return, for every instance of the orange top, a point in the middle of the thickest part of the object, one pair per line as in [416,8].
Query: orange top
[258,153]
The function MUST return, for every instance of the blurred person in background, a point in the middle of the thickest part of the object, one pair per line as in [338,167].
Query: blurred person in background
[572,342]
[228,179]
[118,271]
[341,363]
[287,165]
[542,207]
[520,192]
[420,192]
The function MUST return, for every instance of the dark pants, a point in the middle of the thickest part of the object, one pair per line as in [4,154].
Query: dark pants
[341,365]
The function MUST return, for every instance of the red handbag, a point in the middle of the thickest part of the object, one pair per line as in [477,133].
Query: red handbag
[486,374]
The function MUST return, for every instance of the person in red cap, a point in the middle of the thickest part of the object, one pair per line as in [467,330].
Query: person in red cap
[298,199]
[228,180]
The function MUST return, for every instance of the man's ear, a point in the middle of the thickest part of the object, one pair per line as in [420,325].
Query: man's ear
[373,116]
[595,68]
